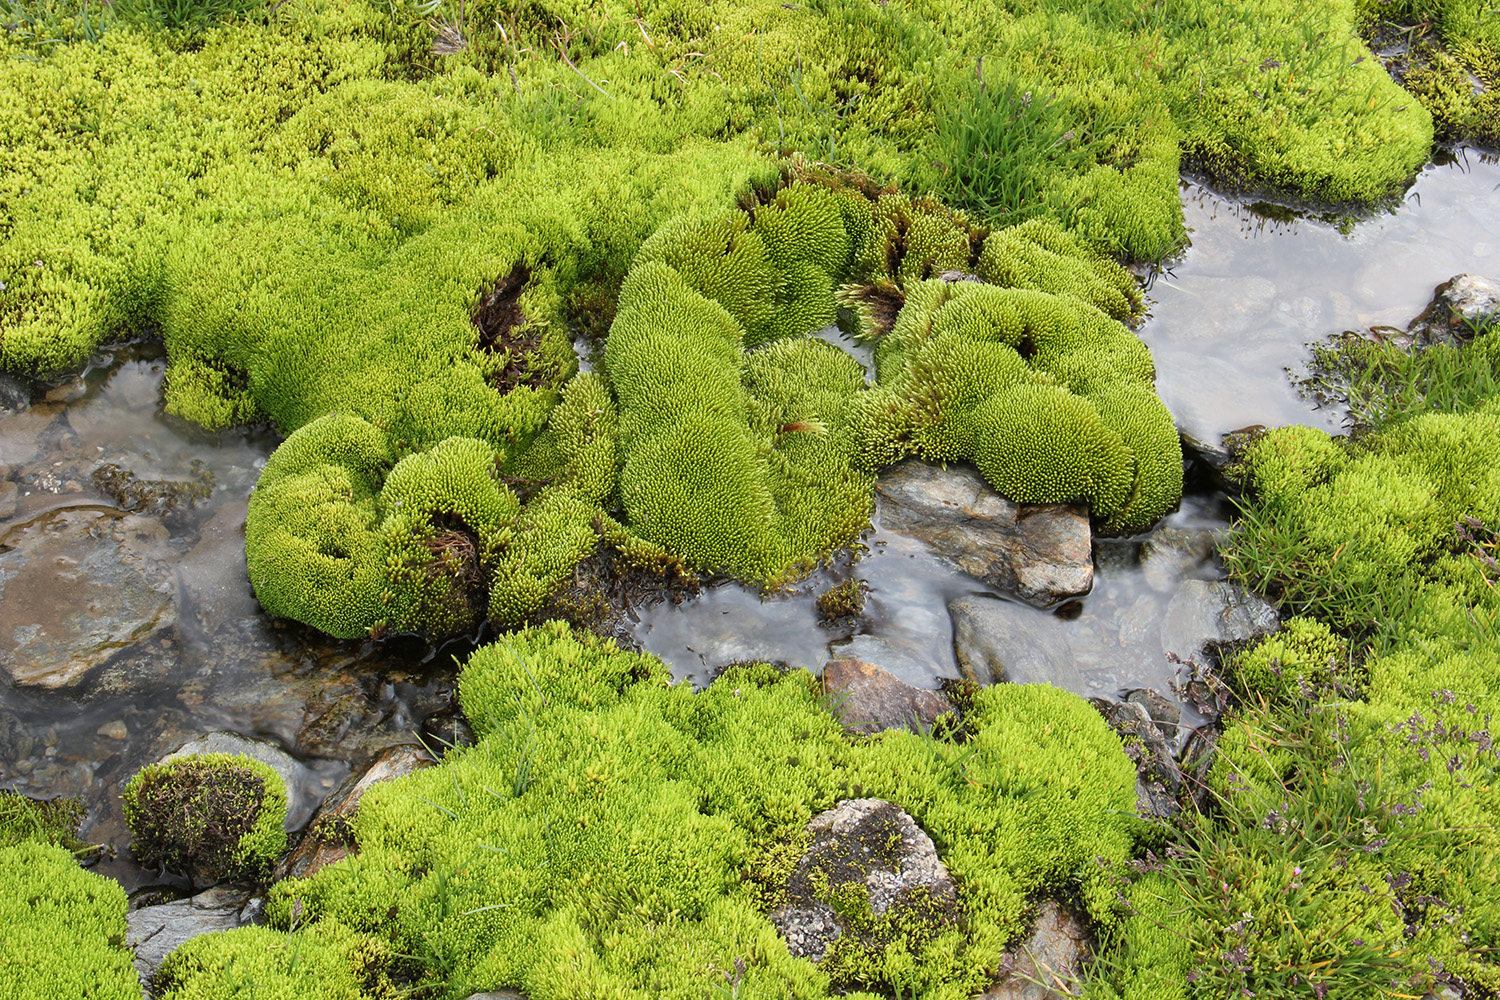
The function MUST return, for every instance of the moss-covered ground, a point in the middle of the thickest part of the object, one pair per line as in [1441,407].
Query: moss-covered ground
[395,216]
[378,225]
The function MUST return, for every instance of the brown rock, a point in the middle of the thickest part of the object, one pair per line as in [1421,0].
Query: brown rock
[1046,965]
[873,700]
[327,838]
[1041,553]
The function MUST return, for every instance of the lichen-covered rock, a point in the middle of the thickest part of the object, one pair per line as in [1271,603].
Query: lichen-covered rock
[211,817]
[870,878]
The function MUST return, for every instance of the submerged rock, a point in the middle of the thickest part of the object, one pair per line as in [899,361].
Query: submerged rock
[1170,553]
[1202,612]
[997,642]
[75,588]
[328,838]
[1038,552]
[1048,963]
[864,848]
[870,700]
[1461,307]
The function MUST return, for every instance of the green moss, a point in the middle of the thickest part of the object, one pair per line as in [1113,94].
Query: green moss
[1303,660]
[211,816]
[597,836]
[842,601]
[333,964]
[49,821]
[62,929]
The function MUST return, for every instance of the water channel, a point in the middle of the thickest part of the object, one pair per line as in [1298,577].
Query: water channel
[1227,320]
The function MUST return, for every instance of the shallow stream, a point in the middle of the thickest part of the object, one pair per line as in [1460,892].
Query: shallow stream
[165,601]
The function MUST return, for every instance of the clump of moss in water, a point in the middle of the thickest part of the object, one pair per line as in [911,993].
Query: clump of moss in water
[842,602]
[1351,793]
[598,837]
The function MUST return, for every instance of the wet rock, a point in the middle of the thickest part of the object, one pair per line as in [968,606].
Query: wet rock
[997,642]
[498,995]
[302,791]
[1165,713]
[328,838]
[155,931]
[72,389]
[882,654]
[1462,306]
[446,730]
[1149,748]
[1197,758]
[1203,612]
[24,433]
[10,498]
[1170,553]
[1038,552]
[874,845]
[870,700]
[76,587]
[1048,964]
[15,395]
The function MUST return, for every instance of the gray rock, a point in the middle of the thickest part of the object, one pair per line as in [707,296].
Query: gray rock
[1203,612]
[997,642]
[302,791]
[1048,964]
[1462,306]
[1038,552]
[1149,748]
[155,931]
[871,700]
[871,843]
[327,839]
[1170,553]
[76,587]
[1164,712]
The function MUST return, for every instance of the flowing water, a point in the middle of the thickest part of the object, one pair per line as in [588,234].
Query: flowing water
[186,650]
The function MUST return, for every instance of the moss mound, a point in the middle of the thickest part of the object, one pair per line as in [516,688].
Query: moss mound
[613,834]
[211,816]
[62,929]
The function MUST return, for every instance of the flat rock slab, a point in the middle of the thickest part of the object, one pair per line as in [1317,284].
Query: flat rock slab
[326,840]
[1041,553]
[870,700]
[154,932]
[77,586]
[872,843]
[997,642]
[1047,965]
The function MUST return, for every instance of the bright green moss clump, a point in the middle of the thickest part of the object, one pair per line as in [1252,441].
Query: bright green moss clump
[212,816]
[611,834]
[1353,788]
[62,929]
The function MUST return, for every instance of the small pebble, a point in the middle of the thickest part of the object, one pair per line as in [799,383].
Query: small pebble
[113,730]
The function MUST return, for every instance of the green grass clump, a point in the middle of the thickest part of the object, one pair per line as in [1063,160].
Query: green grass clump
[211,816]
[62,929]
[1349,847]
[612,834]
[49,821]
